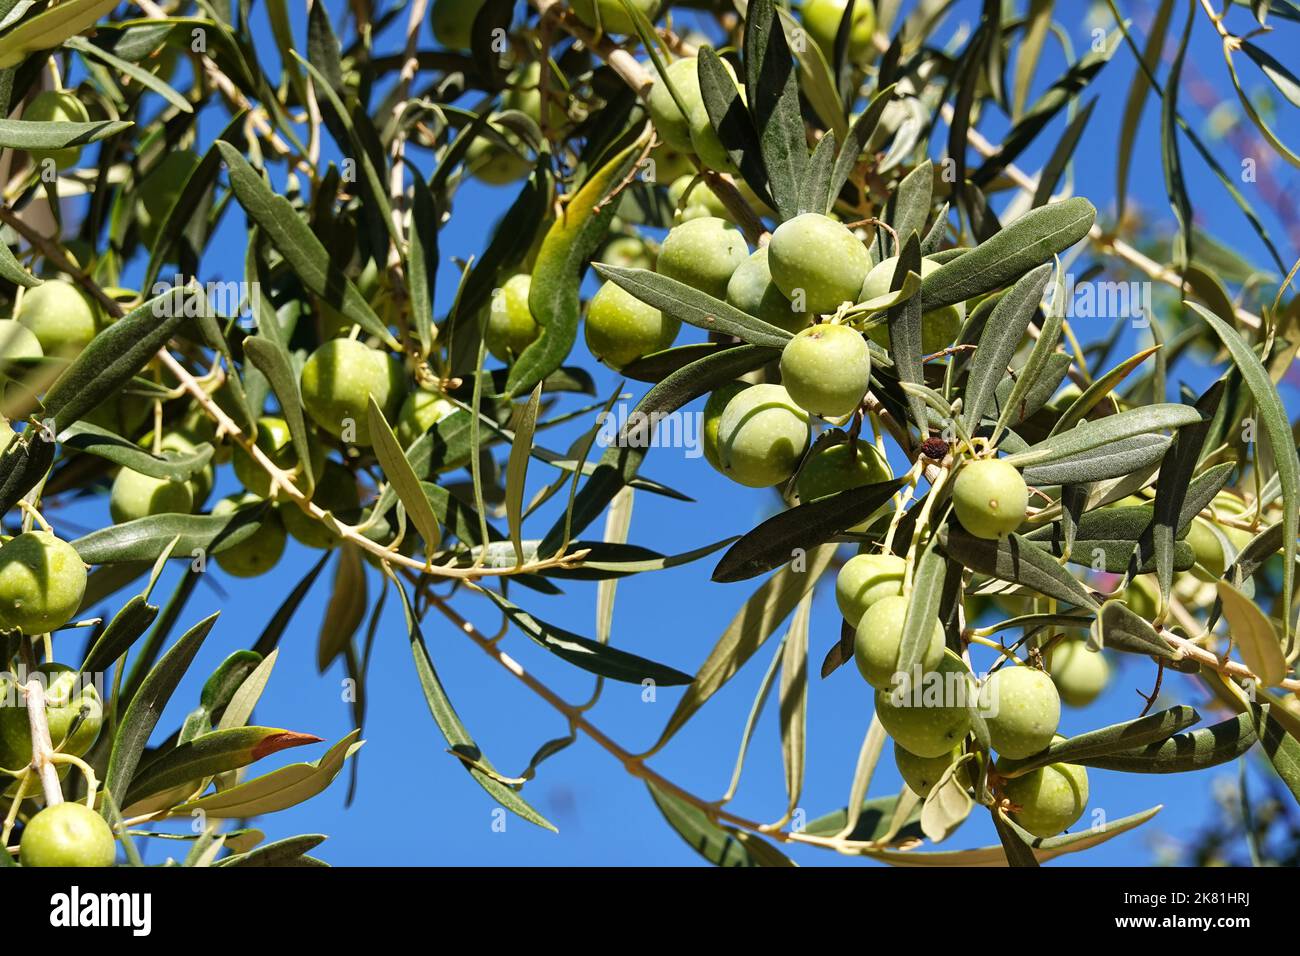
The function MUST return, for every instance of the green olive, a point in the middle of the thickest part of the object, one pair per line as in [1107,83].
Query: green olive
[929,721]
[136,495]
[70,699]
[42,581]
[1022,709]
[817,263]
[276,443]
[511,327]
[1079,672]
[336,492]
[1050,799]
[338,381]
[713,409]
[704,254]
[60,316]
[864,580]
[939,327]
[67,834]
[752,291]
[840,467]
[497,163]
[613,17]
[260,551]
[17,341]
[453,22]
[921,774]
[421,411]
[762,435]
[990,498]
[879,637]
[620,328]
[822,19]
[826,368]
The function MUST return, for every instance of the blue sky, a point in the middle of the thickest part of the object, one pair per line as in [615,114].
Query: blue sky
[414,804]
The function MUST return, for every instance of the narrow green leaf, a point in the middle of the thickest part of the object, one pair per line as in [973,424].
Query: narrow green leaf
[1277,428]
[147,705]
[301,248]
[517,468]
[761,614]
[587,654]
[800,529]
[448,721]
[557,275]
[1029,241]
[402,477]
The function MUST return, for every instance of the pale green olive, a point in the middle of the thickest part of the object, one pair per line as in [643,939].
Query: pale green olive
[879,637]
[1050,799]
[817,262]
[932,719]
[74,714]
[822,19]
[260,551]
[336,492]
[511,327]
[990,498]
[17,341]
[60,316]
[703,254]
[1022,710]
[67,834]
[338,381]
[752,291]
[1080,673]
[826,368]
[136,495]
[921,774]
[453,22]
[421,411]
[762,435]
[713,409]
[42,581]
[864,580]
[614,18]
[620,328]
[939,327]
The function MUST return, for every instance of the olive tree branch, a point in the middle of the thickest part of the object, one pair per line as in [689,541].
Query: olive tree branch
[282,481]
[1098,235]
[633,764]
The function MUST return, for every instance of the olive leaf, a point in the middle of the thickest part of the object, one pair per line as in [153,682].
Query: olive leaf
[553,295]
[147,705]
[694,307]
[1278,429]
[719,844]
[1019,560]
[1208,747]
[1000,340]
[1021,245]
[760,616]
[1130,734]
[300,247]
[585,653]
[800,529]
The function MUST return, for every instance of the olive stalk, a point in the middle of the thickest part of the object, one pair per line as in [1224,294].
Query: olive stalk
[42,748]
